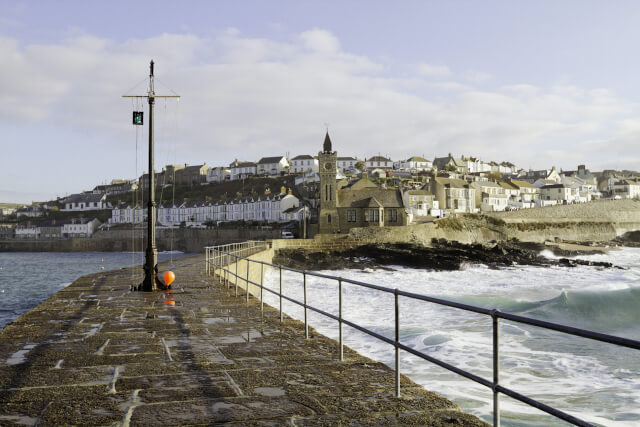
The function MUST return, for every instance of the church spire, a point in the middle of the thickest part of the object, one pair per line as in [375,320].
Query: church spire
[326,147]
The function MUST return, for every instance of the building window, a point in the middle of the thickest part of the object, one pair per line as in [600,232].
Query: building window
[329,219]
[351,215]
[372,215]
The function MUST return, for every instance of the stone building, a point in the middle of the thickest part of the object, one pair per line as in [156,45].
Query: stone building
[357,204]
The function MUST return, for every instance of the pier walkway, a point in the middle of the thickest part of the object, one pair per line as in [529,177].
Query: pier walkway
[97,354]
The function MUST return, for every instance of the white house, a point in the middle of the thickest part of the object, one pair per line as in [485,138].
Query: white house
[218,174]
[626,189]
[419,202]
[378,162]
[304,163]
[85,202]
[28,231]
[561,193]
[80,227]
[347,164]
[241,170]
[490,196]
[414,164]
[273,166]
[32,211]
[528,194]
[127,214]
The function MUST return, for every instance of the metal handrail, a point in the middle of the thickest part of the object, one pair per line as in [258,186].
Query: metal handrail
[223,256]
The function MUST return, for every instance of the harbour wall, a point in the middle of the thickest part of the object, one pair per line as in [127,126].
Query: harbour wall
[184,239]
[252,271]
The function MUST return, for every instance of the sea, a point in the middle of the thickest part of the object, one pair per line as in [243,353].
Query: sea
[599,383]
[29,278]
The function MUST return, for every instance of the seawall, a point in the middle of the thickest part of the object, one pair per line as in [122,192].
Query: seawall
[188,240]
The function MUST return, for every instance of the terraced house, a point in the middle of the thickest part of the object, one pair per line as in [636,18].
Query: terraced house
[454,195]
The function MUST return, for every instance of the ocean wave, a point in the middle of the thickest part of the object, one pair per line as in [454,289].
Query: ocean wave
[607,310]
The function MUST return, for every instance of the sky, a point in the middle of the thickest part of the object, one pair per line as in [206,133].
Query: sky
[540,84]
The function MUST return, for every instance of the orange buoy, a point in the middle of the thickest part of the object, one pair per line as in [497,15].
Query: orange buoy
[169,277]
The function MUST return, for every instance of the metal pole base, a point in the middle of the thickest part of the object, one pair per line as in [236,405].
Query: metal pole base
[151,282]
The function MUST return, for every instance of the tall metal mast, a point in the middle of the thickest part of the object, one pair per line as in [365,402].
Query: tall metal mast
[151,282]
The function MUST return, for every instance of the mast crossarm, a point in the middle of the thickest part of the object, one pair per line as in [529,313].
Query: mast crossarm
[154,96]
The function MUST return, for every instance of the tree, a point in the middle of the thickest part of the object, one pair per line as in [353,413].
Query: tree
[360,165]
[451,167]
[494,176]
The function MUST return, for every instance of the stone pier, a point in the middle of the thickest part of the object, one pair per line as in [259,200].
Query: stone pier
[96,353]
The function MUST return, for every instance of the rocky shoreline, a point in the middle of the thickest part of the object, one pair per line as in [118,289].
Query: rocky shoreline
[442,255]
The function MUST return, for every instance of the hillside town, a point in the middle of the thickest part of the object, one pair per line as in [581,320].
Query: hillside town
[358,192]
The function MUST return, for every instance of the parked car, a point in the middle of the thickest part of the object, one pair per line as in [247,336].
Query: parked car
[287,235]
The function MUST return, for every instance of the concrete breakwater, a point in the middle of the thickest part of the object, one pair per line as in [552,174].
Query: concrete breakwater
[97,354]
[190,240]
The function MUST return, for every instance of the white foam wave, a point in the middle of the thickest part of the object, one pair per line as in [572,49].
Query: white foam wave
[596,384]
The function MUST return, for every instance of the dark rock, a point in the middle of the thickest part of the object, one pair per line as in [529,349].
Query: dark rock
[442,255]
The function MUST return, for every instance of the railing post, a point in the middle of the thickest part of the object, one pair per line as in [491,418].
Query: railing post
[281,315]
[496,367]
[236,278]
[306,322]
[206,260]
[340,320]
[261,287]
[397,342]
[247,281]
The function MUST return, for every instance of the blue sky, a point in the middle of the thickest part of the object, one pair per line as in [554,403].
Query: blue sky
[536,83]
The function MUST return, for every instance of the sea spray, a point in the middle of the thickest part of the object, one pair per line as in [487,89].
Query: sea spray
[594,381]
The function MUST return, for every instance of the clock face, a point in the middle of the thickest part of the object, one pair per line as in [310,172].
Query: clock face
[328,166]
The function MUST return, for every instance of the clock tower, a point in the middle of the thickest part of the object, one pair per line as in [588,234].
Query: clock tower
[328,162]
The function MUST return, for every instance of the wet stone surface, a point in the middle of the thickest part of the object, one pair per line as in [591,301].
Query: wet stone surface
[97,354]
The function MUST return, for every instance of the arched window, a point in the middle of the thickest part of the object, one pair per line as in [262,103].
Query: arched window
[328,218]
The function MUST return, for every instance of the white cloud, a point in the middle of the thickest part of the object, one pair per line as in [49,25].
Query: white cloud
[434,71]
[250,97]
[320,41]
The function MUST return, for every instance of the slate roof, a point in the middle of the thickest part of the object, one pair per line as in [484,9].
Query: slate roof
[269,160]
[302,157]
[444,161]
[347,158]
[370,197]
[452,182]
[237,164]
[84,198]
[53,223]
[416,159]
[520,184]
[190,169]
[378,159]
